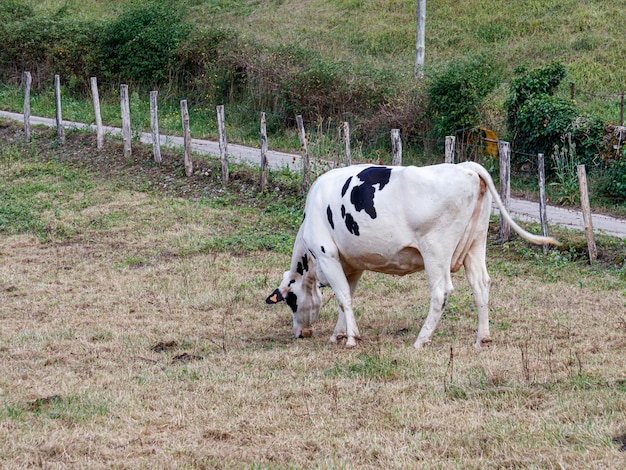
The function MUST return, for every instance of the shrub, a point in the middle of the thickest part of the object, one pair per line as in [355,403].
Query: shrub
[50,45]
[457,91]
[139,45]
[615,177]
[540,121]
[538,82]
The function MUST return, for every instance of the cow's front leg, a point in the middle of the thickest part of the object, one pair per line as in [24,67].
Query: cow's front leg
[440,283]
[340,328]
[343,286]
[340,331]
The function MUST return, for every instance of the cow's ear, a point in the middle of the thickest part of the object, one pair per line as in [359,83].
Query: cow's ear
[274,297]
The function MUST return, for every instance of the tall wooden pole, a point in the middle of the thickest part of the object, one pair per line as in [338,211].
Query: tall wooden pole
[586,208]
[27,82]
[221,129]
[504,149]
[59,119]
[98,115]
[264,163]
[346,138]
[184,116]
[154,125]
[396,147]
[543,215]
[126,129]
[420,34]
[306,163]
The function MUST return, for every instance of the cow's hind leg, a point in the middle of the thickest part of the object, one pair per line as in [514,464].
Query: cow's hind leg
[440,283]
[478,278]
[340,328]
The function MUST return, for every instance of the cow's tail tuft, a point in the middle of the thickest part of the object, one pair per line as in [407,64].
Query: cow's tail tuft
[486,177]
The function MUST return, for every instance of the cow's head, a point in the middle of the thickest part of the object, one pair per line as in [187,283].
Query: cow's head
[300,290]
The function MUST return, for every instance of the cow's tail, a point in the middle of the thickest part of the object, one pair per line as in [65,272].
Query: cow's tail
[486,177]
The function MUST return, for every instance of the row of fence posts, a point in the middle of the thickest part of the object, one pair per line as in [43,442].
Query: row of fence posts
[504,151]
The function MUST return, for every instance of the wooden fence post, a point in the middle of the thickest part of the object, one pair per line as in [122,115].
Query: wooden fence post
[306,164]
[184,115]
[621,110]
[543,217]
[396,147]
[221,125]
[126,130]
[346,139]
[586,208]
[504,151]
[59,119]
[450,143]
[264,169]
[27,82]
[154,125]
[96,109]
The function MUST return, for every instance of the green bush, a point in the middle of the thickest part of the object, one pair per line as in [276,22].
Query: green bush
[139,45]
[529,84]
[50,45]
[615,177]
[457,91]
[539,121]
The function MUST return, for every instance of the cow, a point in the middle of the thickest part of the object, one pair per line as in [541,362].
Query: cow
[393,220]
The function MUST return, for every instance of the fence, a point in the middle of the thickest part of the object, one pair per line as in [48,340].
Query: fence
[504,150]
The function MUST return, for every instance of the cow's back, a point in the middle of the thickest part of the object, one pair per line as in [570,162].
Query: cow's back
[383,218]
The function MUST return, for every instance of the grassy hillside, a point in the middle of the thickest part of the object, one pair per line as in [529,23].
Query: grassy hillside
[585,36]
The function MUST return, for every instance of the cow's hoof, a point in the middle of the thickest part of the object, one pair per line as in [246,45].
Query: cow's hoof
[483,342]
[351,342]
[334,339]
[306,333]
[421,343]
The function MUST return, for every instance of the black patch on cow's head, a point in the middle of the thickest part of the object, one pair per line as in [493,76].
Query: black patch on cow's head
[343,211]
[323,249]
[292,301]
[312,254]
[362,196]
[274,297]
[352,225]
[346,186]
[303,265]
[329,214]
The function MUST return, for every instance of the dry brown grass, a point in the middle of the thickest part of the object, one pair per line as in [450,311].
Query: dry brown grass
[123,346]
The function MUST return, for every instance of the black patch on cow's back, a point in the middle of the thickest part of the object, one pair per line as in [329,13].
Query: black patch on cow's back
[375,175]
[292,301]
[323,249]
[343,211]
[362,195]
[352,225]
[346,186]
[329,214]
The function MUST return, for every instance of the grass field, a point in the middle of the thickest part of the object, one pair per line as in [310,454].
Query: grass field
[134,334]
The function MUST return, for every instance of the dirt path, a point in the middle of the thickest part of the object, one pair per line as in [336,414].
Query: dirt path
[519,208]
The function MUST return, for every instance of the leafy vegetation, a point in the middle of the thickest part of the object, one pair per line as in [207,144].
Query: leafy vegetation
[457,92]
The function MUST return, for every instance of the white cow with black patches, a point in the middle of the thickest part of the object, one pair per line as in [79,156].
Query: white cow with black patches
[393,220]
